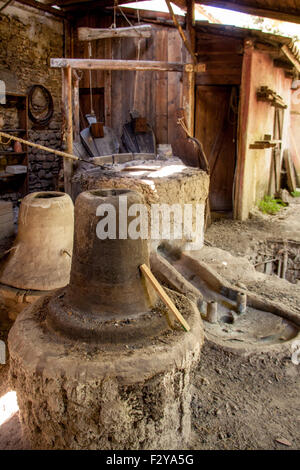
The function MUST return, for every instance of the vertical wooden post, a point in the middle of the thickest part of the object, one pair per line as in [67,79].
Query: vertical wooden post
[76,116]
[107,85]
[68,164]
[188,96]
[240,211]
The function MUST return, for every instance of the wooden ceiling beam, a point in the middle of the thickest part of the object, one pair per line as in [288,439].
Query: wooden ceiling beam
[78,5]
[43,7]
[277,13]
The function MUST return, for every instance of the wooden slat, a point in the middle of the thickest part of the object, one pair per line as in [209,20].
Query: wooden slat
[107,85]
[68,164]
[164,297]
[217,79]
[105,64]
[174,85]
[76,110]
[289,166]
[161,88]
[117,90]
[138,31]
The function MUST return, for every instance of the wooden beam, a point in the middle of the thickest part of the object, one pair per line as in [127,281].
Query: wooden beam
[67,99]
[107,64]
[43,7]
[265,12]
[207,15]
[243,128]
[91,34]
[76,110]
[283,64]
[188,93]
[181,32]
[288,53]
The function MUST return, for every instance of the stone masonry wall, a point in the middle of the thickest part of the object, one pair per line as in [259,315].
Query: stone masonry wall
[28,39]
[43,166]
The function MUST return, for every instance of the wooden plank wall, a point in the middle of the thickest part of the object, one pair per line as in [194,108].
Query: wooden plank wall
[158,94]
[223,57]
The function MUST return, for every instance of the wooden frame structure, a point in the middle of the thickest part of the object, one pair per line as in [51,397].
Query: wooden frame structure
[67,65]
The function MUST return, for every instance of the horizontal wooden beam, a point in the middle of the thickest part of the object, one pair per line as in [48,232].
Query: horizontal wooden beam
[106,64]
[277,14]
[43,7]
[91,34]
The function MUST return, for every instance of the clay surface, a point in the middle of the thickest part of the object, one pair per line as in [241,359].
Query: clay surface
[41,256]
[174,183]
[77,395]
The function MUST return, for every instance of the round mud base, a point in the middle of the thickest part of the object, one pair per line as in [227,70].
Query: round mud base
[15,300]
[77,395]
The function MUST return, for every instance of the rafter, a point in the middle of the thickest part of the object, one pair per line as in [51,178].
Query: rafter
[42,7]
[245,7]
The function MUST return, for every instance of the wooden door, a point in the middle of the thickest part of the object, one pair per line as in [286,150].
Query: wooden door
[216,127]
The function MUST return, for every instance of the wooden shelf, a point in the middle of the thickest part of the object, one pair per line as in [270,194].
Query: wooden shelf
[5,175]
[19,182]
[14,130]
[7,152]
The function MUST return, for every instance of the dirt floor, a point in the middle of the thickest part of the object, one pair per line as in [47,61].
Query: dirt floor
[238,402]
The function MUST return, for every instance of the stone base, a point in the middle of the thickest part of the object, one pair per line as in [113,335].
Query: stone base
[76,395]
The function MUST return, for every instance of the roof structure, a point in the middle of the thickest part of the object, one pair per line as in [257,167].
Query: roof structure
[285,10]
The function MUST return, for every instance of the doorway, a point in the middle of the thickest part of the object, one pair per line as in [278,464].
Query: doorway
[216,118]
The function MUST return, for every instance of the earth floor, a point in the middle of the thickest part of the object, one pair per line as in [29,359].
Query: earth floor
[237,402]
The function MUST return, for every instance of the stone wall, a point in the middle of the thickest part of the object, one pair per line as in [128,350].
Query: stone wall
[28,39]
[43,166]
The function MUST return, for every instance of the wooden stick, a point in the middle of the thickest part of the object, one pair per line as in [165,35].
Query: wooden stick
[110,64]
[138,31]
[40,147]
[164,297]
[181,32]
[96,161]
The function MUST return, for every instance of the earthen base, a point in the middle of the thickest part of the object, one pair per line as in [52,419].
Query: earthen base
[15,300]
[76,395]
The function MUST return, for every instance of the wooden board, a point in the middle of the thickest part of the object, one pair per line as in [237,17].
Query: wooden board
[218,134]
[91,34]
[289,166]
[164,297]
